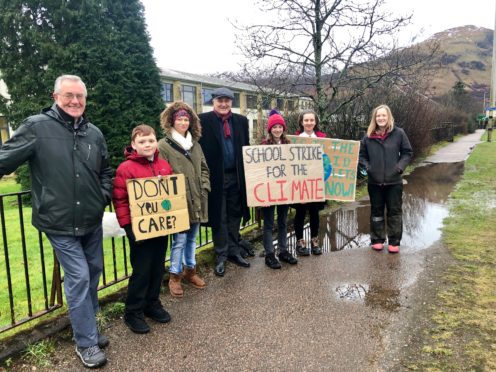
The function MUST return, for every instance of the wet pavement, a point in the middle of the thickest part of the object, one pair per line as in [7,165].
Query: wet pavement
[334,312]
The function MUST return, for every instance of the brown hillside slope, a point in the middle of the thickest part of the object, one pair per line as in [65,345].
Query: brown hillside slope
[465,55]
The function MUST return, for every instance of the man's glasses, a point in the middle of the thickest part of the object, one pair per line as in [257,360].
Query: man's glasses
[71,96]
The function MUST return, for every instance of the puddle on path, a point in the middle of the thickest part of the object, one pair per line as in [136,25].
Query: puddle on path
[424,209]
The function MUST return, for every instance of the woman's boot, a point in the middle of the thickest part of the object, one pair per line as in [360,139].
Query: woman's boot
[175,285]
[316,250]
[301,248]
[191,276]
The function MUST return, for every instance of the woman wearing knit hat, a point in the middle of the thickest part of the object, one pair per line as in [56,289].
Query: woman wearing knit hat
[276,128]
[181,149]
[308,123]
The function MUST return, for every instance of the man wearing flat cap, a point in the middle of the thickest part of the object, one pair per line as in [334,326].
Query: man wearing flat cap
[224,133]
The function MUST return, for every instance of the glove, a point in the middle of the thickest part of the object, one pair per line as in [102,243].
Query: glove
[130,234]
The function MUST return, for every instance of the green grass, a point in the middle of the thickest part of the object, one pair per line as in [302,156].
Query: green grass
[39,353]
[464,316]
[8,185]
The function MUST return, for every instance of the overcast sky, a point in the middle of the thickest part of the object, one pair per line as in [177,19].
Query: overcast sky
[197,35]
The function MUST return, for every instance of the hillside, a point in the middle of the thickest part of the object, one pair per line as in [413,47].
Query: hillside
[465,55]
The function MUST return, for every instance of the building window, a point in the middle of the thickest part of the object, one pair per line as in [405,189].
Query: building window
[280,104]
[266,101]
[236,100]
[291,105]
[166,92]
[189,95]
[207,96]
[251,102]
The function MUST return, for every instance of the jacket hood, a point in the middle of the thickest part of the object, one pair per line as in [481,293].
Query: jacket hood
[166,121]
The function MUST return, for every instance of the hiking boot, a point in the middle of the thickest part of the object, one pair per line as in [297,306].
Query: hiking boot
[393,248]
[316,250]
[301,249]
[103,341]
[191,276]
[377,246]
[136,323]
[158,314]
[175,285]
[92,357]
[285,256]
[271,261]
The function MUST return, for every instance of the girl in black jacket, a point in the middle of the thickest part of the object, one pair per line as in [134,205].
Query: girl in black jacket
[385,152]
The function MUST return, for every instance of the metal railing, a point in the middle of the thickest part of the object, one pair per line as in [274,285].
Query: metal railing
[446,131]
[30,275]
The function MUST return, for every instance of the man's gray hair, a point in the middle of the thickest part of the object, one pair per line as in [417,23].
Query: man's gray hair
[60,79]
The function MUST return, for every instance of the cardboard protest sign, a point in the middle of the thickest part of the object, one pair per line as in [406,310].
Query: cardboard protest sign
[340,165]
[283,174]
[158,206]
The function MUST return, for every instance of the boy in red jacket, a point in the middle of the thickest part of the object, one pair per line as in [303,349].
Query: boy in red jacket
[147,256]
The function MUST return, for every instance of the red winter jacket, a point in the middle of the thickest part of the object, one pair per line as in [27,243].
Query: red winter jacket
[135,166]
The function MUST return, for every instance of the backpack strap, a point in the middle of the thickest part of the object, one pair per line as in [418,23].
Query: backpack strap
[178,148]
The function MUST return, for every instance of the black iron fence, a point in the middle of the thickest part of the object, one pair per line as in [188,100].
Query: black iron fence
[30,276]
[446,131]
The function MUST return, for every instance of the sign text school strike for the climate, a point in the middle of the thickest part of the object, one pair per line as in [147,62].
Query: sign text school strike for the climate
[340,160]
[158,206]
[283,174]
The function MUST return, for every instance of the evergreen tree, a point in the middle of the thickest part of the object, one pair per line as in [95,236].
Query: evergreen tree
[103,41]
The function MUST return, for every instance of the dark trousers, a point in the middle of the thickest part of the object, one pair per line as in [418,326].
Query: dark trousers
[387,197]
[226,235]
[268,217]
[299,220]
[147,259]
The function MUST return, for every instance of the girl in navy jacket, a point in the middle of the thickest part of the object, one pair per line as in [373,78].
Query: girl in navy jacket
[385,152]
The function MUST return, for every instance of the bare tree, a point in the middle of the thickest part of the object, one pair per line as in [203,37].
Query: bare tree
[327,50]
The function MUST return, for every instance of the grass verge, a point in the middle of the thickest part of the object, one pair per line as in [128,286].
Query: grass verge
[463,333]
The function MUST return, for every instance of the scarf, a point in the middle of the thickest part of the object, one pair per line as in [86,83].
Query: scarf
[185,142]
[380,137]
[225,123]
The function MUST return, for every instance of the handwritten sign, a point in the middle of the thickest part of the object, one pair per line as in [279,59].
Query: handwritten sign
[158,206]
[283,174]
[340,165]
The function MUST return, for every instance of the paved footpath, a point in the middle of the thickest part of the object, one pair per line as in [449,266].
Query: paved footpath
[456,151]
[342,311]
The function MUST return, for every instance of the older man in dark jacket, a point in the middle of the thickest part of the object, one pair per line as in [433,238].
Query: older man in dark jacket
[223,135]
[70,186]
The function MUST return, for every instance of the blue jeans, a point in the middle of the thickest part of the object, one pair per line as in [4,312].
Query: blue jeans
[81,257]
[282,235]
[183,249]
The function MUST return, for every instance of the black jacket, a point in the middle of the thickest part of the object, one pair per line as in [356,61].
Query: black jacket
[213,148]
[71,181]
[386,161]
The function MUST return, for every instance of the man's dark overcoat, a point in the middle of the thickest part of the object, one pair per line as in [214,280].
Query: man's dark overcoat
[213,148]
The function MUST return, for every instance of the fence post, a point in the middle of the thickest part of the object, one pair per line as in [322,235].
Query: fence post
[56,283]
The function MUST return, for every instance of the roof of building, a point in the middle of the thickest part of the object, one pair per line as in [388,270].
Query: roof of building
[208,80]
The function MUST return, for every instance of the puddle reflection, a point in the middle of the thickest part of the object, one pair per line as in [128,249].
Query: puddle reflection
[424,198]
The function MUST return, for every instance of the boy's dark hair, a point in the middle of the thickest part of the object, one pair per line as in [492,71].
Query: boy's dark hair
[142,130]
